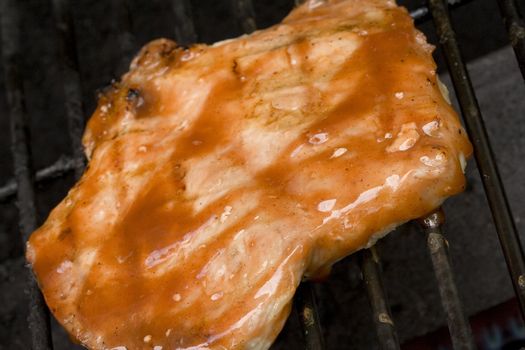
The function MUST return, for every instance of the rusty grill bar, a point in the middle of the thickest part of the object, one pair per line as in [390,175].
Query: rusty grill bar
[305,304]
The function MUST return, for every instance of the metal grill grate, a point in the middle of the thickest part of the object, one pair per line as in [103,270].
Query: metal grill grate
[38,314]
[23,183]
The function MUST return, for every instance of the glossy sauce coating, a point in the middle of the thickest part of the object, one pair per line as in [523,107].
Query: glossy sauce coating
[219,176]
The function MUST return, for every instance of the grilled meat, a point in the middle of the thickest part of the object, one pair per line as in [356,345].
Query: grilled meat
[220,175]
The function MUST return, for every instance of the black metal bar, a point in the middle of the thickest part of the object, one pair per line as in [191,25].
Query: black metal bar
[184,28]
[126,40]
[372,276]
[501,213]
[422,14]
[516,29]
[245,15]
[306,307]
[458,324]
[71,81]
[38,319]
[60,167]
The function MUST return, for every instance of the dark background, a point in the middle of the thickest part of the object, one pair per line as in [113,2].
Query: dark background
[344,309]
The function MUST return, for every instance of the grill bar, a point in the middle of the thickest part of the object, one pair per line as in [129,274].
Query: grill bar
[57,169]
[372,275]
[306,307]
[184,28]
[38,319]
[487,167]
[126,40]
[245,15]
[516,29]
[71,81]
[458,325]
[422,14]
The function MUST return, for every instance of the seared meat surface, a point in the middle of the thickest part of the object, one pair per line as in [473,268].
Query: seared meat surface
[220,175]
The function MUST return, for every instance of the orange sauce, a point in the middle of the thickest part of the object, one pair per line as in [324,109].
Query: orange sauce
[329,203]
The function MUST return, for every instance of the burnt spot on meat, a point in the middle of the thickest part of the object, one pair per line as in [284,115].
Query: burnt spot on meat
[134,99]
[132,95]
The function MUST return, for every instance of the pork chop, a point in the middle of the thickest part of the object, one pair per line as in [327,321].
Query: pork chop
[219,176]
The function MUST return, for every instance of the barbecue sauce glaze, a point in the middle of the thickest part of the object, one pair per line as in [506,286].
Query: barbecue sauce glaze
[220,175]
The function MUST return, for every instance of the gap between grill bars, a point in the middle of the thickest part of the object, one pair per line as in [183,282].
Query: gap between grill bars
[305,303]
